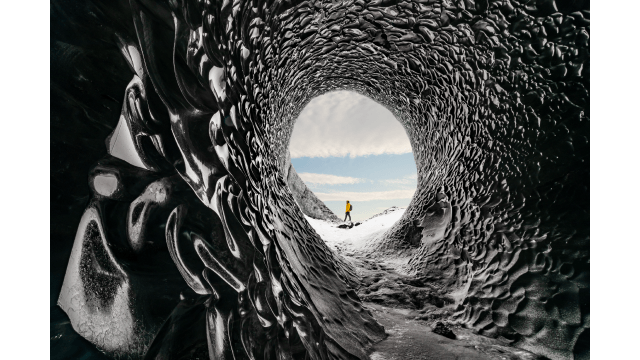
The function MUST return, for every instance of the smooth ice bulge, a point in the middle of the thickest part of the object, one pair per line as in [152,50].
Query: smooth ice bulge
[494,96]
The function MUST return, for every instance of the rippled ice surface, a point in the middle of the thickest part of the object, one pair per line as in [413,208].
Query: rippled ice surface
[494,96]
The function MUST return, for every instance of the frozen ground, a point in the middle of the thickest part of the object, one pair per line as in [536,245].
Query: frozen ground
[409,308]
[358,236]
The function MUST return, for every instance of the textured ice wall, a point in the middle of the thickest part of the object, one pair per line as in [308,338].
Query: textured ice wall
[493,94]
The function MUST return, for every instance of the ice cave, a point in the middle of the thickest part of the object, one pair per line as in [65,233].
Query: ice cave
[172,231]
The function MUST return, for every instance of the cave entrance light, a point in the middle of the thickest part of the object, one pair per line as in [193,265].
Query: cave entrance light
[345,146]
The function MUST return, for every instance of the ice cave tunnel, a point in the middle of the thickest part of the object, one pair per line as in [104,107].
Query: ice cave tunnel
[184,244]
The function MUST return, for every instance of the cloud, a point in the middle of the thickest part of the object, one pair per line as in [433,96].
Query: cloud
[407,180]
[328,179]
[366,196]
[396,181]
[345,123]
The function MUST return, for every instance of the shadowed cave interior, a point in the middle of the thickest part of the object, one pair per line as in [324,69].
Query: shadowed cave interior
[184,245]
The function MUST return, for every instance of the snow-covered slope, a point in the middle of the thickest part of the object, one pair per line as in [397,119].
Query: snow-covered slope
[358,236]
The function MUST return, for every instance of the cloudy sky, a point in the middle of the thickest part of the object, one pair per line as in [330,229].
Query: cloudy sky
[345,146]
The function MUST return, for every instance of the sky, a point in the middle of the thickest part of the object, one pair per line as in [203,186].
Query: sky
[346,146]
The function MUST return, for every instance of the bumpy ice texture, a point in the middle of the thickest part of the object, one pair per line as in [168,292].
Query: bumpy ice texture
[190,206]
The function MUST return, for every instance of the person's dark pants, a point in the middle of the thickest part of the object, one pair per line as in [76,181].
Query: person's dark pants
[347,214]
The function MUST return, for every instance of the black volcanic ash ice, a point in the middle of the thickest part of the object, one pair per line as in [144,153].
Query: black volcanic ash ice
[190,207]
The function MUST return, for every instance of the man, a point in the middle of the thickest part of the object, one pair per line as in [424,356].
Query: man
[348,212]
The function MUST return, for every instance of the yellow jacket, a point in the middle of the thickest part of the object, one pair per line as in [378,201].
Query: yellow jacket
[348,207]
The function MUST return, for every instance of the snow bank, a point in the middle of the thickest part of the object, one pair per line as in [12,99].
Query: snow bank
[358,236]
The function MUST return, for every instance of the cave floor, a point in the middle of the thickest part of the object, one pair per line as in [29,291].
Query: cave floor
[408,308]
[411,339]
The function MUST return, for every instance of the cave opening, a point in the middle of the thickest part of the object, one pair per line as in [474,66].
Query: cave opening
[346,146]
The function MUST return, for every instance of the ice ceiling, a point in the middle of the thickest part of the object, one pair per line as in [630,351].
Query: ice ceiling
[190,245]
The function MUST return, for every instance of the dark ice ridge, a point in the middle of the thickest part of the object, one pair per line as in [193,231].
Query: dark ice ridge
[308,202]
[192,245]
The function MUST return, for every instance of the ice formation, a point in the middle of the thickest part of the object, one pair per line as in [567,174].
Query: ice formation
[191,244]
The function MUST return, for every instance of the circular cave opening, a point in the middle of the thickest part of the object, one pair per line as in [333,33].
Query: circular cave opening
[347,147]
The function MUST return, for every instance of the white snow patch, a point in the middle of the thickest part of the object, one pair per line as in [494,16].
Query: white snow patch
[358,236]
